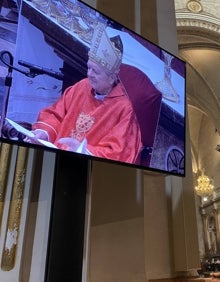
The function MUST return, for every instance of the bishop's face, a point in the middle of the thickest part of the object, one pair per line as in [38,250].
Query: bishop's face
[100,80]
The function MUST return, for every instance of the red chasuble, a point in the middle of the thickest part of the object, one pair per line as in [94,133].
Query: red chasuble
[109,125]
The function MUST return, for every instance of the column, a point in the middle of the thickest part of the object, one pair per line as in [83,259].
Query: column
[216,215]
[204,221]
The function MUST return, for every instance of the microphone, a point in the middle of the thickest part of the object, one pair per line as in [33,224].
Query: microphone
[36,70]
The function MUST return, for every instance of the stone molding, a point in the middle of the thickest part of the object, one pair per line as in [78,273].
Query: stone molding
[198,21]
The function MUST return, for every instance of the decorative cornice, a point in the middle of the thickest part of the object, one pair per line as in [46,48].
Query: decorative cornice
[193,36]
[202,21]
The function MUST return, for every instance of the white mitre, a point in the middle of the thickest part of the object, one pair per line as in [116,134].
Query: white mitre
[106,51]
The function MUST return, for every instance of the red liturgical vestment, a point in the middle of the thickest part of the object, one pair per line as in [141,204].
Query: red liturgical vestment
[109,125]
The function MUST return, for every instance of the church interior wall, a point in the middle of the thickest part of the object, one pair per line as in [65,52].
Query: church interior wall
[209,156]
[161,215]
[142,225]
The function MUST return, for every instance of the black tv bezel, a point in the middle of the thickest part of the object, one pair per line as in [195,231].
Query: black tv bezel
[89,157]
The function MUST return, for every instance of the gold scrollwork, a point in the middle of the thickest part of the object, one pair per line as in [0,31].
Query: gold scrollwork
[15,209]
[5,160]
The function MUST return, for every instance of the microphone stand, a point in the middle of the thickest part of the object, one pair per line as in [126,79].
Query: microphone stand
[33,71]
[8,82]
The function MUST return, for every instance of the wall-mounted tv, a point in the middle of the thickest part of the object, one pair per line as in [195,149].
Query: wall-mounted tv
[83,83]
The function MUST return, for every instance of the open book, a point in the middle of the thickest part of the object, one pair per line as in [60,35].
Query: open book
[29,133]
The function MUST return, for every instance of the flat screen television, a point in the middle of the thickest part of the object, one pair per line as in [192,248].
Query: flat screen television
[140,122]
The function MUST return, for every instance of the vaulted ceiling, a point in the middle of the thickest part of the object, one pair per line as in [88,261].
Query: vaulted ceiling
[198,25]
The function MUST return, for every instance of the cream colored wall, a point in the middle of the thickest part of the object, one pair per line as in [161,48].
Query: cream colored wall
[117,252]
[142,226]
[117,227]
[158,243]
[209,159]
[204,140]
[167,230]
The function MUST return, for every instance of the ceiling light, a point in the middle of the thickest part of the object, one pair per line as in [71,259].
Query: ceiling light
[204,185]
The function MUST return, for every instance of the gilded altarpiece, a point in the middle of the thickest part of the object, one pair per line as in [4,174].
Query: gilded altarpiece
[210,213]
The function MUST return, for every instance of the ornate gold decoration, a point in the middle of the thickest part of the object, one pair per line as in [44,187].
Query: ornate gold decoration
[75,17]
[5,160]
[204,186]
[15,209]
[194,6]
[83,124]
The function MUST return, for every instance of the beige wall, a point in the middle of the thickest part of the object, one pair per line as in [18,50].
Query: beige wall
[117,252]
[117,225]
[158,243]
[142,225]
[207,159]
[161,238]
[120,11]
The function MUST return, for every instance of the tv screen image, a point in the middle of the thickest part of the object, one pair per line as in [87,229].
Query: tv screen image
[83,83]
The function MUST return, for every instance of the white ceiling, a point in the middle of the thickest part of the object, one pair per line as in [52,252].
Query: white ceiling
[198,25]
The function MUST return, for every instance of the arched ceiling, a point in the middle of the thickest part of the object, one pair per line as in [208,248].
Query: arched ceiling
[203,8]
[198,26]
